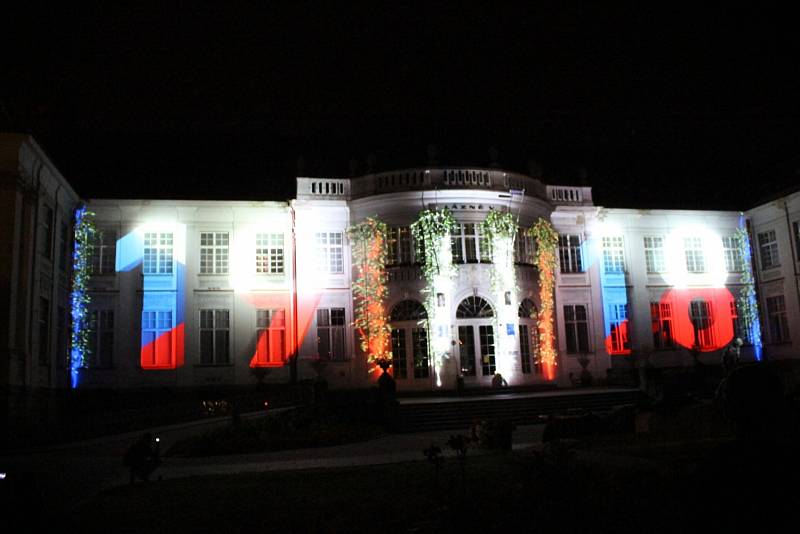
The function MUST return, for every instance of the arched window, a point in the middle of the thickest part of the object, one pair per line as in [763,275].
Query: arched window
[527,309]
[474,308]
[408,310]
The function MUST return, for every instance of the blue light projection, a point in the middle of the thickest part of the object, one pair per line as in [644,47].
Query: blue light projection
[747,298]
[79,298]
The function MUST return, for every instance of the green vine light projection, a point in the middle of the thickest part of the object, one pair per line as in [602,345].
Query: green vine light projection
[545,258]
[369,246]
[500,229]
[747,303]
[85,235]
[431,234]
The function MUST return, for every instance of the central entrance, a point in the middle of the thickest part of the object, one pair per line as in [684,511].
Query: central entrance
[476,340]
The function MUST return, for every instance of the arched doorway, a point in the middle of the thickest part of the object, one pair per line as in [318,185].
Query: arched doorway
[528,338]
[476,342]
[411,364]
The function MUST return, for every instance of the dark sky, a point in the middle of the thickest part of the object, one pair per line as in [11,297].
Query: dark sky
[654,107]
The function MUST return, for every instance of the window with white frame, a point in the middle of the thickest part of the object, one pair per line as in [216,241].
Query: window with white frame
[469,245]
[701,315]
[214,337]
[104,250]
[214,252]
[613,254]
[157,253]
[778,323]
[330,333]
[768,249]
[330,255]
[654,254]
[400,246]
[524,247]
[619,329]
[157,338]
[576,326]
[270,336]
[733,256]
[693,249]
[569,253]
[101,338]
[269,253]
[661,325]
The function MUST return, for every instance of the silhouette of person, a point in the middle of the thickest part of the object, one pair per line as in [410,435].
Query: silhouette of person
[730,358]
[142,458]
[498,381]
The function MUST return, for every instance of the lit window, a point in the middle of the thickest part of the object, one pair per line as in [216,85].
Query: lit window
[214,337]
[270,336]
[654,254]
[330,333]
[768,247]
[523,247]
[157,348]
[101,338]
[569,253]
[618,321]
[157,253]
[486,334]
[104,251]
[269,253]
[702,318]
[695,261]
[661,317]
[400,247]
[214,252]
[330,257]
[399,370]
[576,327]
[733,257]
[468,245]
[778,324]
[613,255]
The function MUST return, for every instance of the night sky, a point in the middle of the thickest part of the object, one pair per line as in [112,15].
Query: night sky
[667,107]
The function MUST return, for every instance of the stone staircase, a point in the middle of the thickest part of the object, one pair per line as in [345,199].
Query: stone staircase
[438,413]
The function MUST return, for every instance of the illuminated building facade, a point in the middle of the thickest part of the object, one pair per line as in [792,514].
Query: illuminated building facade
[194,293]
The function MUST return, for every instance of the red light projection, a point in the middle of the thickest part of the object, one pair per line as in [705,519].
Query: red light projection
[618,341]
[275,341]
[703,318]
[163,352]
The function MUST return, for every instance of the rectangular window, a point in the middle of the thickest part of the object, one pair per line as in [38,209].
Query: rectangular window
[768,249]
[739,329]
[524,247]
[525,348]
[157,338]
[399,353]
[618,320]
[576,327]
[733,257]
[157,253]
[778,324]
[466,350]
[702,318]
[269,253]
[270,337]
[104,251]
[330,256]
[47,241]
[330,333]
[468,245]
[419,340]
[613,255]
[400,246]
[101,339]
[214,337]
[661,317]
[654,254]
[44,331]
[486,333]
[63,247]
[214,251]
[695,261]
[569,253]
